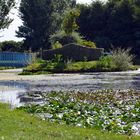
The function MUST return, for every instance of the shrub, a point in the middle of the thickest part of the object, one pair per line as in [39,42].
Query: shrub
[11,46]
[57,45]
[64,38]
[122,58]
[88,44]
[106,63]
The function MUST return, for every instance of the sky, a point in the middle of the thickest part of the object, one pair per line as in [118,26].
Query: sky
[9,34]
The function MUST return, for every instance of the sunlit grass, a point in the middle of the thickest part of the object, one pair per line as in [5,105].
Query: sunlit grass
[17,125]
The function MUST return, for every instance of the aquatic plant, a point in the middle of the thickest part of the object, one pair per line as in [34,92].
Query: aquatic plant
[115,111]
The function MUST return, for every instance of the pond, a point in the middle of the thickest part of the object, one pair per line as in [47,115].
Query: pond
[13,87]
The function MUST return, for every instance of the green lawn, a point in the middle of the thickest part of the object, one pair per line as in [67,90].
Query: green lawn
[17,125]
[137,66]
[4,68]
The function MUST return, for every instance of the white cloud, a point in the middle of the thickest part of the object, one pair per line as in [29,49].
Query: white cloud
[9,33]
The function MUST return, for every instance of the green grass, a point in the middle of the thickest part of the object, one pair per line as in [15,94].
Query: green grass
[45,67]
[4,68]
[17,125]
[105,64]
[137,66]
[80,66]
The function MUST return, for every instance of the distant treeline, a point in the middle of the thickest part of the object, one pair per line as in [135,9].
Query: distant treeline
[11,46]
[115,23]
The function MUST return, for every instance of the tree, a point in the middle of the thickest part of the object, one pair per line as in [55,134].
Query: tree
[40,21]
[109,23]
[59,9]
[68,33]
[11,46]
[120,24]
[137,27]
[5,7]
[69,24]
[92,20]
[37,18]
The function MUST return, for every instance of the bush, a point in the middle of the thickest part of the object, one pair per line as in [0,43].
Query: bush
[106,63]
[122,59]
[64,38]
[57,45]
[11,46]
[88,44]
[42,66]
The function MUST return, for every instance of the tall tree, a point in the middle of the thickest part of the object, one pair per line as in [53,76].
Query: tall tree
[92,19]
[40,19]
[60,6]
[120,24]
[110,23]
[37,18]
[5,7]
[137,27]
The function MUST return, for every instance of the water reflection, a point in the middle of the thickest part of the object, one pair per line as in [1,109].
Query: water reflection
[11,91]
[11,97]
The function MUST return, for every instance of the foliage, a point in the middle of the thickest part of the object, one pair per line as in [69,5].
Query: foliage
[69,24]
[57,45]
[80,66]
[122,58]
[115,111]
[5,8]
[91,20]
[88,44]
[11,46]
[60,7]
[112,22]
[59,65]
[5,68]
[65,39]
[20,125]
[41,66]
[40,21]
[106,63]
[34,14]
[119,60]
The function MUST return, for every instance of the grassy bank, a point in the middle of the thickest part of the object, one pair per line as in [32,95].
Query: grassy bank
[19,125]
[119,60]
[46,67]
[5,68]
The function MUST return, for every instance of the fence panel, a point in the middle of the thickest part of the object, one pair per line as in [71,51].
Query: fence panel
[15,59]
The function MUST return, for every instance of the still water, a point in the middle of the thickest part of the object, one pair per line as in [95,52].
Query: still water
[15,87]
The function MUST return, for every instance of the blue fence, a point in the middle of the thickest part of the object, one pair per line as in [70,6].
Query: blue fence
[15,59]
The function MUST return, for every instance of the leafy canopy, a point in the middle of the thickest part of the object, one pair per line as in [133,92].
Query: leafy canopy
[69,24]
[40,19]
[5,7]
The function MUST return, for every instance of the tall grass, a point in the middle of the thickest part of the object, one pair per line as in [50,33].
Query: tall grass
[119,60]
[122,58]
